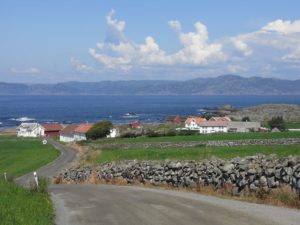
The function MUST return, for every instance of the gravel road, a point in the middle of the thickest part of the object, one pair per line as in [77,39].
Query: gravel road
[112,205]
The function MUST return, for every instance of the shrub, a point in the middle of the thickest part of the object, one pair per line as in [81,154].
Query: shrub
[277,122]
[99,130]
[246,118]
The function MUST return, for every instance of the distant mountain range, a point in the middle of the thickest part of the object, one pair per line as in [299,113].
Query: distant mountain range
[222,85]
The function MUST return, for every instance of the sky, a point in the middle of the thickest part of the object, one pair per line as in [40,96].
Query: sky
[75,40]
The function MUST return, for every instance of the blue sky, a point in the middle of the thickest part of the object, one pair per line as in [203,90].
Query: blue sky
[57,41]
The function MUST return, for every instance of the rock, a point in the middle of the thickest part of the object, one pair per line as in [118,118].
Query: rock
[228,167]
[263,181]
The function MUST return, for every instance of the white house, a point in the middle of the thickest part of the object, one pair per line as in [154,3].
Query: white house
[208,127]
[30,130]
[67,134]
[113,133]
[80,132]
[192,123]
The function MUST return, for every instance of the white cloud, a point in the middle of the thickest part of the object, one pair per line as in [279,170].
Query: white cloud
[31,70]
[281,26]
[241,46]
[261,51]
[81,67]
[118,25]
[175,24]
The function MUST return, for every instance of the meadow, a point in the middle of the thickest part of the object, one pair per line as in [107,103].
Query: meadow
[203,137]
[19,156]
[194,153]
[20,206]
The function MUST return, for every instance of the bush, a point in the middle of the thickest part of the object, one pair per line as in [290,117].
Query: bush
[99,130]
[246,118]
[277,122]
[188,132]
[129,135]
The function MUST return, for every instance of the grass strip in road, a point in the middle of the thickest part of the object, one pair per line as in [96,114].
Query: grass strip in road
[19,206]
[20,156]
[202,137]
[195,153]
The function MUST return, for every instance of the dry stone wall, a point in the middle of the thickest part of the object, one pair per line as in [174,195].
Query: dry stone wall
[250,173]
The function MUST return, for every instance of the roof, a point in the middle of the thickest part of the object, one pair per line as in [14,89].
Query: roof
[247,125]
[213,124]
[69,129]
[83,128]
[53,127]
[197,119]
[217,118]
[28,126]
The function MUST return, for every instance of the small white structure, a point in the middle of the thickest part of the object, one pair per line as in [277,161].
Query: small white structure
[208,127]
[192,123]
[30,130]
[113,133]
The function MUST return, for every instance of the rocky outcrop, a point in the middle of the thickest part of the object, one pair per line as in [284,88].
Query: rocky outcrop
[250,173]
[289,112]
[144,145]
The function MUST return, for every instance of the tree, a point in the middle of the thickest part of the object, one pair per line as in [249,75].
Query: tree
[246,118]
[99,130]
[277,122]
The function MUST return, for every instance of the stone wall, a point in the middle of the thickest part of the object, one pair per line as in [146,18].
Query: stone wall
[250,173]
[281,141]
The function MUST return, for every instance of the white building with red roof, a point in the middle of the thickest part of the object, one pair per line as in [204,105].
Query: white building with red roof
[81,131]
[192,123]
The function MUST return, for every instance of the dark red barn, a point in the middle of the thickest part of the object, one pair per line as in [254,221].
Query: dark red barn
[52,129]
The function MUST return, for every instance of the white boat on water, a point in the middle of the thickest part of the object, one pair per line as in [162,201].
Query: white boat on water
[130,115]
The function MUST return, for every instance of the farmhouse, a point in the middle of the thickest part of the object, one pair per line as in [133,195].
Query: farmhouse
[67,134]
[80,132]
[30,130]
[192,123]
[208,127]
[174,119]
[136,125]
[52,129]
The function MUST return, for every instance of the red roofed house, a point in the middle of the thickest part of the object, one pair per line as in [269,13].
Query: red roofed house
[81,130]
[67,134]
[174,119]
[192,123]
[135,125]
[52,129]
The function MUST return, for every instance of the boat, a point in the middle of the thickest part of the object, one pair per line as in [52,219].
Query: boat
[130,115]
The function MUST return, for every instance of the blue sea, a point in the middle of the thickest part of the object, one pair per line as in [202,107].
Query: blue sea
[72,109]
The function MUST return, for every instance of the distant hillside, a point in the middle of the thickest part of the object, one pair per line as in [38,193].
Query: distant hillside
[222,85]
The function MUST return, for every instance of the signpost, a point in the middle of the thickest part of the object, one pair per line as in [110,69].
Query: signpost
[36,179]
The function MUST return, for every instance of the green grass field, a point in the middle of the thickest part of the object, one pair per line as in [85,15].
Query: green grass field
[204,137]
[19,206]
[21,156]
[196,153]
[292,125]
